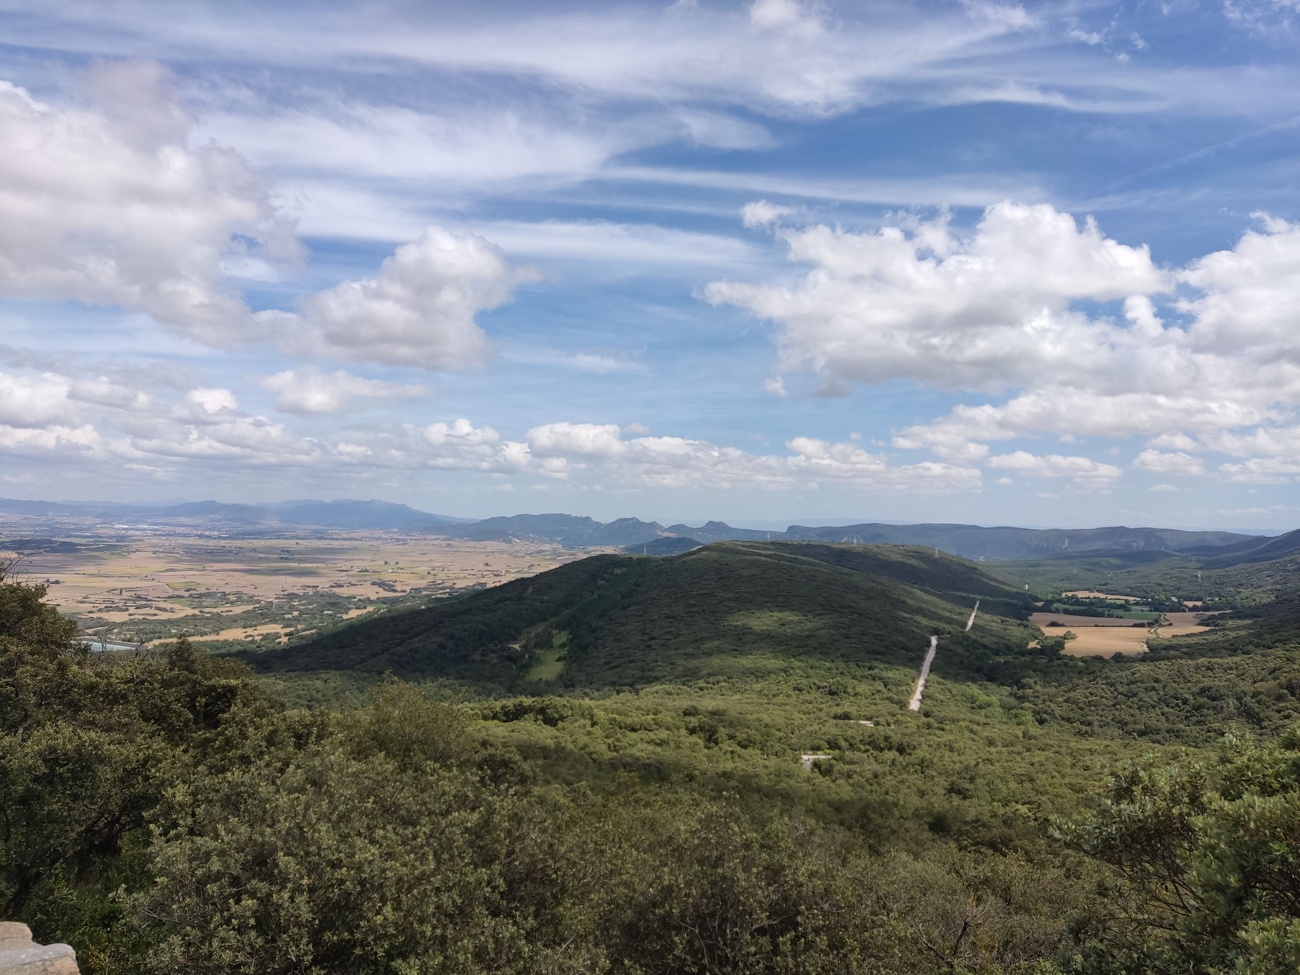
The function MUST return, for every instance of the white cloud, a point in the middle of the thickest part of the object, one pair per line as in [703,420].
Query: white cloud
[418,310]
[987,312]
[33,402]
[307,390]
[1012,309]
[849,462]
[1269,17]
[771,55]
[783,14]
[1248,296]
[1083,472]
[455,144]
[760,213]
[102,391]
[204,432]
[1174,441]
[1271,441]
[576,439]
[1171,463]
[684,462]
[106,205]
[205,403]
[719,130]
[1262,470]
[597,244]
[54,441]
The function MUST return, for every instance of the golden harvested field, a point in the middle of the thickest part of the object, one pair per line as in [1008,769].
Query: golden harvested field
[159,579]
[1102,637]
[1102,641]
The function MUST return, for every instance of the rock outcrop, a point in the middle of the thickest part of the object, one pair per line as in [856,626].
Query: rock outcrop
[20,955]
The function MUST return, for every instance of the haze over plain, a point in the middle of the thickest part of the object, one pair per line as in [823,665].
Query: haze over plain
[759,261]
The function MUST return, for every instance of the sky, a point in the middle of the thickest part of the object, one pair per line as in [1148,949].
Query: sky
[764,262]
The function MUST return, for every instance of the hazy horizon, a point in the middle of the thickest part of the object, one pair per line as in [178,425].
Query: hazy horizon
[696,521]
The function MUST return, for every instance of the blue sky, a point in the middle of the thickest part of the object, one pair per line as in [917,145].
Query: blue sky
[761,261]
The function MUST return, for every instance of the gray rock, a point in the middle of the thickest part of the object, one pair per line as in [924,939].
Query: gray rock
[19,955]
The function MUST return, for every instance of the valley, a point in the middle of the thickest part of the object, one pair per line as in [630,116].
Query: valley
[131,587]
[752,729]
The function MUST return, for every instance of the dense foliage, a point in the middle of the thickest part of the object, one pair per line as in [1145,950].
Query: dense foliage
[643,809]
[1211,851]
[725,610]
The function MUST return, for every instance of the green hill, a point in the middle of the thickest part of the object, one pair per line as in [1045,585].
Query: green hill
[725,610]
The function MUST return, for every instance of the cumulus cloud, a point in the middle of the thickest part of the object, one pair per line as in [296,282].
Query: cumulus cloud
[983,313]
[308,390]
[685,462]
[107,205]
[204,431]
[50,443]
[1247,295]
[1170,463]
[1073,334]
[203,403]
[101,391]
[576,439]
[760,213]
[1083,472]
[1271,441]
[1262,470]
[31,402]
[418,310]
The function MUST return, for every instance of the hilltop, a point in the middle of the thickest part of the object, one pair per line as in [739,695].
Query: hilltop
[728,609]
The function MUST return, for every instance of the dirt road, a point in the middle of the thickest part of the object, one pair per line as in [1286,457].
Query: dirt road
[915,703]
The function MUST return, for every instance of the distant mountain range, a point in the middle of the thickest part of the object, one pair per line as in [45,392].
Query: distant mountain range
[631,534]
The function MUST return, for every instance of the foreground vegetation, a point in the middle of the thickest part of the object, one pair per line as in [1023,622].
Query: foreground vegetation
[599,776]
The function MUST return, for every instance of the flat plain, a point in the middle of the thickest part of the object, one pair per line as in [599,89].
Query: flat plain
[149,587]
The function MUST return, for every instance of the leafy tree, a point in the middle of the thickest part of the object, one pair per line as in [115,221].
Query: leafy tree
[315,860]
[1211,853]
[88,744]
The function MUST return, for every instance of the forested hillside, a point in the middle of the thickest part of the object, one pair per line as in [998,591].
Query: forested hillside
[725,610]
[696,764]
